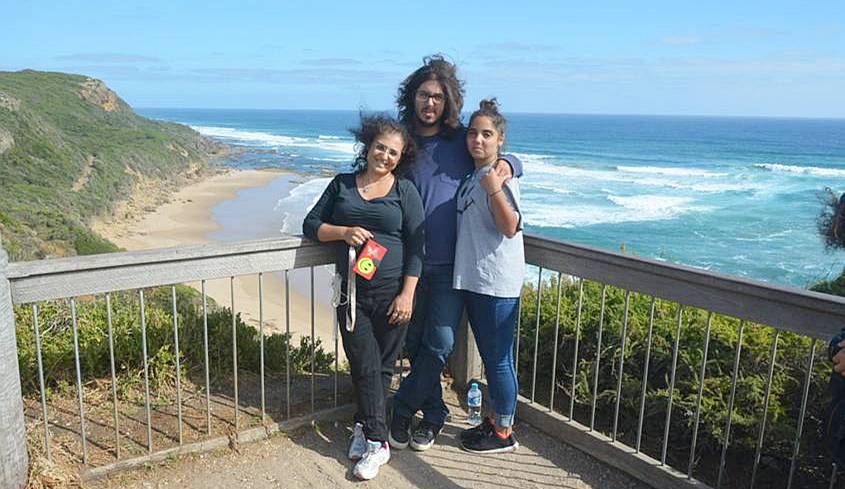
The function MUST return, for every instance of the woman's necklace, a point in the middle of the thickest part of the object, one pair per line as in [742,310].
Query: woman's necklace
[366,188]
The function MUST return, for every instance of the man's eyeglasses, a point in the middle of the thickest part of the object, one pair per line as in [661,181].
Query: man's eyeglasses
[424,96]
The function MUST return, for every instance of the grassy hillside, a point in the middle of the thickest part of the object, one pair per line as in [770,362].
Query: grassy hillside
[70,148]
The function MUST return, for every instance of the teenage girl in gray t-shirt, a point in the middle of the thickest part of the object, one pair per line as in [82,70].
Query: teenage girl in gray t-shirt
[489,262]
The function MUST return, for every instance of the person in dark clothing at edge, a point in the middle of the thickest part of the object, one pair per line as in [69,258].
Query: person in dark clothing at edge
[430,102]
[373,203]
[832,229]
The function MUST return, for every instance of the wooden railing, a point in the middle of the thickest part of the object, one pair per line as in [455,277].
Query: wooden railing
[577,419]
[95,280]
[583,375]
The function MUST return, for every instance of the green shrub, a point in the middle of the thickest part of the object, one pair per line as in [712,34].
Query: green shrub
[786,389]
[86,242]
[56,325]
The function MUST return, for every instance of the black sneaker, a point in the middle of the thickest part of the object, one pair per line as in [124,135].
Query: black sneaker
[490,444]
[424,435]
[400,432]
[483,429]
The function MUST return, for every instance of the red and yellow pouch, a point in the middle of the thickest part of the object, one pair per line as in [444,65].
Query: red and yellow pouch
[369,258]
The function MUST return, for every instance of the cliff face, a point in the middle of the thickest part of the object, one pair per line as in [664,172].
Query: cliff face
[70,150]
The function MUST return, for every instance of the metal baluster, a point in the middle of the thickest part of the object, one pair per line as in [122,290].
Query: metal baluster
[234,352]
[146,374]
[575,354]
[621,364]
[113,377]
[730,406]
[701,375]
[833,477]
[554,351]
[672,385]
[645,375]
[261,341]
[205,351]
[794,463]
[41,382]
[313,340]
[598,359]
[537,333]
[287,344]
[178,363]
[762,433]
[79,381]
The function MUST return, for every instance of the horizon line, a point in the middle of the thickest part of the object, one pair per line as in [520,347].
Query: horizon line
[615,114]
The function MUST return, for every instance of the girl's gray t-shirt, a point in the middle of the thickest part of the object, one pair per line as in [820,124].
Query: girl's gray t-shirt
[486,261]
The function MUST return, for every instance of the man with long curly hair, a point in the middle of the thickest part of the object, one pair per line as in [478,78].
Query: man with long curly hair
[430,101]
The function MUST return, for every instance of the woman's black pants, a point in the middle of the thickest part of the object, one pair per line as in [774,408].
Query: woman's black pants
[372,349]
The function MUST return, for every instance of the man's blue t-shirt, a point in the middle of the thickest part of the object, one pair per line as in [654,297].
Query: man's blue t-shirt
[440,166]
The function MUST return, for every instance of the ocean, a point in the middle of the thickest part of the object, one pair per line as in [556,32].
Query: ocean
[732,195]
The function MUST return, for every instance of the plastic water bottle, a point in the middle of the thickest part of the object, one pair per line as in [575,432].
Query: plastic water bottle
[474,403]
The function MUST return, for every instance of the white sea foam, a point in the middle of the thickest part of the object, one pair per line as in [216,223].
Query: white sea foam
[265,139]
[547,187]
[298,202]
[540,170]
[625,209]
[655,206]
[670,171]
[802,170]
[541,167]
[536,163]
[710,187]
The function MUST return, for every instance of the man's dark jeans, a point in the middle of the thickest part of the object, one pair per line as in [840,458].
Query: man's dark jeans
[372,349]
[431,339]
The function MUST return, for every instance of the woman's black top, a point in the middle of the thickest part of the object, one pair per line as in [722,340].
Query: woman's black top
[396,221]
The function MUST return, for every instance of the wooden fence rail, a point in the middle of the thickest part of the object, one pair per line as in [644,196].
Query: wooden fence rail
[815,315]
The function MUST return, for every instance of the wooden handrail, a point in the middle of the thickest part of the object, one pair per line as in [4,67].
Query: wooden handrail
[68,277]
[792,309]
[800,311]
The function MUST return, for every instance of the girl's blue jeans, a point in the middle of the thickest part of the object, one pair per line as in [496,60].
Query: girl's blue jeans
[493,320]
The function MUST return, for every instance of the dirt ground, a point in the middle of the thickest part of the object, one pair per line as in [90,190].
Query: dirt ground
[315,457]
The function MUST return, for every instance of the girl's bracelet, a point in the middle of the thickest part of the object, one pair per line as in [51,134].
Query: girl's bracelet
[494,193]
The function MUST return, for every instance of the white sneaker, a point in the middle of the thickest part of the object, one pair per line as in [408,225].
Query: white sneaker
[358,444]
[378,454]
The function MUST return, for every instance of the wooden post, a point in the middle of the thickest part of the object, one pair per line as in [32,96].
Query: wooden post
[14,461]
[465,363]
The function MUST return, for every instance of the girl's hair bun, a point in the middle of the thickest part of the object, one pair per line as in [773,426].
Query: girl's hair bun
[489,104]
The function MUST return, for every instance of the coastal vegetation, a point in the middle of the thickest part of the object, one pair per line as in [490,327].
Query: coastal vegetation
[784,403]
[70,150]
[56,327]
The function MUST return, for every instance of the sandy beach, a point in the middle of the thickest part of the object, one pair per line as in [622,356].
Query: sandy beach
[186,217]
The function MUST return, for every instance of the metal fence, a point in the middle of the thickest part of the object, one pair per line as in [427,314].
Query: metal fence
[607,314]
[656,435]
[146,425]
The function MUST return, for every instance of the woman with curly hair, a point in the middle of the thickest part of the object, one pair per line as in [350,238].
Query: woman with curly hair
[373,204]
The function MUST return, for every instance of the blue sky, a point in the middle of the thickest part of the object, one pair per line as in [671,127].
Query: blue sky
[681,57]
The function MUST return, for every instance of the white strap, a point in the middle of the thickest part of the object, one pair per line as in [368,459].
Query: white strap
[350,291]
